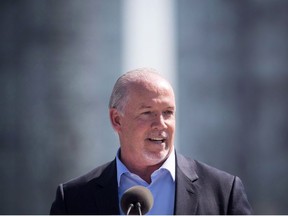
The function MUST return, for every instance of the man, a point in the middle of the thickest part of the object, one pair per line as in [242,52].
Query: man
[142,112]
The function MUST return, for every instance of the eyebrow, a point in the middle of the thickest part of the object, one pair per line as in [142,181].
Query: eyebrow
[143,106]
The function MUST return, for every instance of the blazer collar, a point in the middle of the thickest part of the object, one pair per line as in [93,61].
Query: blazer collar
[186,197]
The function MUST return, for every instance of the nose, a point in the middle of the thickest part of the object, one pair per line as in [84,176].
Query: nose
[159,122]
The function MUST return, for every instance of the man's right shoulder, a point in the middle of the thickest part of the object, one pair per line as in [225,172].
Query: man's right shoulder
[78,195]
[107,169]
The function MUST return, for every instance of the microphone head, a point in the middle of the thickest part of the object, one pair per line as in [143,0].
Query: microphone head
[134,195]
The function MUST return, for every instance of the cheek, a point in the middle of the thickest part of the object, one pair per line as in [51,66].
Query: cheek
[135,128]
[171,124]
[140,128]
[171,129]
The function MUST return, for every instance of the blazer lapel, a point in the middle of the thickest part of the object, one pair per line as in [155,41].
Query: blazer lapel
[186,197]
[106,191]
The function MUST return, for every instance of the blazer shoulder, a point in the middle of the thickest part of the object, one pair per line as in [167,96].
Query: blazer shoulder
[202,170]
[217,191]
[96,174]
[87,193]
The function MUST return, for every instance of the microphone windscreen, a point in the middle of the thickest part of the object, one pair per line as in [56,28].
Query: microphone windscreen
[137,194]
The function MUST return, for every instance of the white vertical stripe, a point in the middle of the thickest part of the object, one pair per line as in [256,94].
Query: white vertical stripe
[149,36]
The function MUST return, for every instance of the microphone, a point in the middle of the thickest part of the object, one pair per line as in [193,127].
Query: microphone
[137,200]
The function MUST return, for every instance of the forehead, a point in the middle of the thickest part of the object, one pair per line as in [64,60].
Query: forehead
[145,94]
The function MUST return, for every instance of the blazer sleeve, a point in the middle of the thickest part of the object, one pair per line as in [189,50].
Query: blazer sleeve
[58,206]
[238,202]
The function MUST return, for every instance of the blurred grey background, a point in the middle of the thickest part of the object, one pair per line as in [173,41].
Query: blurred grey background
[59,60]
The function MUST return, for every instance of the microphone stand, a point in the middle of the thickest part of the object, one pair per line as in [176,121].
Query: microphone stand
[139,208]
[138,205]
[130,207]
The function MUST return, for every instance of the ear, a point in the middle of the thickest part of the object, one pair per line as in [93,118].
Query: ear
[115,118]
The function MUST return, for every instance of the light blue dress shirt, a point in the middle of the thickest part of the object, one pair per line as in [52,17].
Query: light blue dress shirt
[162,185]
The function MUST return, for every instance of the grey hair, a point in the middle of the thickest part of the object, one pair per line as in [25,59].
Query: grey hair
[120,95]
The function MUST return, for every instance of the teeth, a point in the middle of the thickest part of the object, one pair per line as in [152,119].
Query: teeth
[157,139]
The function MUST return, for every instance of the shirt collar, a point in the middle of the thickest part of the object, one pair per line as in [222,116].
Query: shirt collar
[169,165]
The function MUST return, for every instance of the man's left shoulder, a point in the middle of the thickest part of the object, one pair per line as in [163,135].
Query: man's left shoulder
[214,186]
[203,170]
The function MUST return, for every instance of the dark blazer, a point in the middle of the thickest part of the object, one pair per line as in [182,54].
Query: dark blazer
[200,189]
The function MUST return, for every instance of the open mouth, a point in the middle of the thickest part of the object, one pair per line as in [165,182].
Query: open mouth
[157,140]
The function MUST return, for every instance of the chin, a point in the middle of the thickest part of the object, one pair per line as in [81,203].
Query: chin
[156,158]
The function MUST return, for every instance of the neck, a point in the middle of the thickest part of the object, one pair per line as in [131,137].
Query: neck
[143,171]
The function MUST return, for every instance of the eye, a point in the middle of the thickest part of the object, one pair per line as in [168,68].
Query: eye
[168,112]
[146,113]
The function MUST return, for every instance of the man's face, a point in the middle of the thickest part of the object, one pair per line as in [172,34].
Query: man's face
[147,125]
